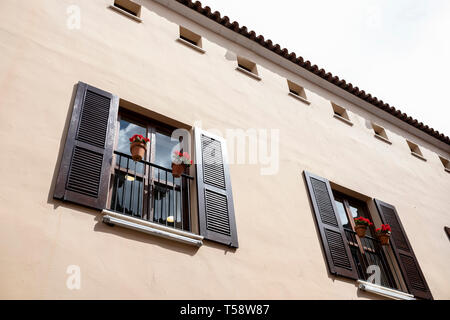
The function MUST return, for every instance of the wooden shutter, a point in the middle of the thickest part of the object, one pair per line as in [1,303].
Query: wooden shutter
[215,199]
[404,254]
[334,242]
[86,162]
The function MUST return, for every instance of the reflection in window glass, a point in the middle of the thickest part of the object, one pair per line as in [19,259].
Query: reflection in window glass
[127,194]
[167,209]
[164,146]
[127,130]
[342,215]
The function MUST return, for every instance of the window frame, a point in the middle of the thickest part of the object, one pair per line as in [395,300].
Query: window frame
[152,127]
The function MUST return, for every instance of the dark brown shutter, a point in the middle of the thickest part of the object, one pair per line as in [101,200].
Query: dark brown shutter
[86,162]
[404,254]
[334,242]
[215,199]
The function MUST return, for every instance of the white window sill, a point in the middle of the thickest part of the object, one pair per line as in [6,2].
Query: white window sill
[250,74]
[151,228]
[383,291]
[382,138]
[190,45]
[299,98]
[343,120]
[129,15]
[418,156]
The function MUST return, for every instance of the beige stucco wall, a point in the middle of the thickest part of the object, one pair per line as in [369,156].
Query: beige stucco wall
[280,254]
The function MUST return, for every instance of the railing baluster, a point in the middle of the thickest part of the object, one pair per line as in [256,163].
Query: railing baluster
[181,202]
[124,187]
[168,199]
[188,184]
[171,199]
[175,213]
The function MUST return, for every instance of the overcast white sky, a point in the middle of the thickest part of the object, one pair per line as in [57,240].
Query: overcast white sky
[397,50]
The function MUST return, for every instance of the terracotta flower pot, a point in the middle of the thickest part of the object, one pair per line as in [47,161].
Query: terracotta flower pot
[137,150]
[384,239]
[361,230]
[177,169]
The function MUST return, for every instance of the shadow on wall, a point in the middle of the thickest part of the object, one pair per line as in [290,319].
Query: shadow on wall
[62,142]
[144,238]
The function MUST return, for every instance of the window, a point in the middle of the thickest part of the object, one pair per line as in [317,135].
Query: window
[128,8]
[341,114]
[348,256]
[297,91]
[415,150]
[445,163]
[248,67]
[365,251]
[97,172]
[147,189]
[191,39]
[380,133]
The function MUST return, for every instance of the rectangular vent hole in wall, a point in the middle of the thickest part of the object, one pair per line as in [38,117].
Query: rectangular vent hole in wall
[190,37]
[380,132]
[445,163]
[415,150]
[129,7]
[341,113]
[247,65]
[297,91]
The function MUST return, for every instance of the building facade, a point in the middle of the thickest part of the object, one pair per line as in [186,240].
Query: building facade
[284,154]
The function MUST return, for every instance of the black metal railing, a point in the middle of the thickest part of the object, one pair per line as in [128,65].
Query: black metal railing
[373,254]
[150,192]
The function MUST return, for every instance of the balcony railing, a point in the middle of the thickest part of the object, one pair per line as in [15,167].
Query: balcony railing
[150,192]
[373,255]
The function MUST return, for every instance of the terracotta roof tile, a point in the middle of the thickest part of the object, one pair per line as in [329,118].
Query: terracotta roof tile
[225,21]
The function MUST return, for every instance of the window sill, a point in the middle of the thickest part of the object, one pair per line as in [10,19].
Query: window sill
[299,98]
[382,138]
[383,291]
[418,156]
[251,74]
[343,120]
[190,45]
[152,228]
[129,15]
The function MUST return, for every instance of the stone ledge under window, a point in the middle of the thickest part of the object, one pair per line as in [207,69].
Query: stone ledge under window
[251,74]
[127,14]
[296,96]
[152,228]
[343,120]
[382,138]
[193,46]
[418,156]
[383,291]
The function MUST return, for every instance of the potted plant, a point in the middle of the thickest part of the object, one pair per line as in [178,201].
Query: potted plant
[138,146]
[361,225]
[383,234]
[180,161]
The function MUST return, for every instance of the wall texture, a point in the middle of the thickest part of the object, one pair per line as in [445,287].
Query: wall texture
[280,254]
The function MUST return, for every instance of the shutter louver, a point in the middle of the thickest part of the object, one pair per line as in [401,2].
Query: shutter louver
[409,266]
[215,199]
[86,162]
[334,242]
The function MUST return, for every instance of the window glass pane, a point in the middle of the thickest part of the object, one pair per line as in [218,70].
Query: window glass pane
[163,150]
[127,194]
[342,214]
[127,130]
